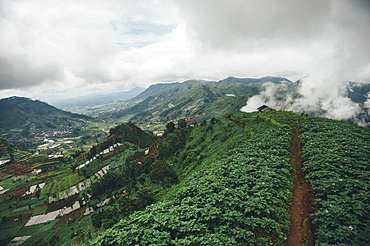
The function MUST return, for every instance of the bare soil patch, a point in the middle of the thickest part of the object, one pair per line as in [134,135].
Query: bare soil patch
[15,168]
[302,231]
[75,215]
[16,218]
[62,203]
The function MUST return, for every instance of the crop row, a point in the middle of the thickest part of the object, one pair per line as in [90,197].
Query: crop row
[336,160]
[243,198]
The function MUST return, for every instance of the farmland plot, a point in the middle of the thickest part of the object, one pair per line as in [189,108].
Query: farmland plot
[241,198]
[336,160]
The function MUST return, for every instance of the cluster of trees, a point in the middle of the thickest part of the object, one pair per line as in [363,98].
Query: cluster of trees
[7,148]
[129,132]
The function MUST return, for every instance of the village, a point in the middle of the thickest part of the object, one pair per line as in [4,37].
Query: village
[18,135]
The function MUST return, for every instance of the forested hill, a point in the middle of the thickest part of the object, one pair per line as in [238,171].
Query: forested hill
[6,148]
[129,132]
[18,112]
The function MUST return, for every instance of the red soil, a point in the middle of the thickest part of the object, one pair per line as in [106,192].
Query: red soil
[15,167]
[75,215]
[17,193]
[22,198]
[24,217]
[302,231]
[62,203]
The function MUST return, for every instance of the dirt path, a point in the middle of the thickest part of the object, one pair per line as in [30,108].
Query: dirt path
[302,231]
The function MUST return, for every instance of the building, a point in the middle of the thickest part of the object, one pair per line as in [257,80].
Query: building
[265,108]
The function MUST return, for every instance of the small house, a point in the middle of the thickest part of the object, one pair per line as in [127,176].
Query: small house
[265,108]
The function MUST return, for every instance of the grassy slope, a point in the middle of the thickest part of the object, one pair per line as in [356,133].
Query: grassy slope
[16,112]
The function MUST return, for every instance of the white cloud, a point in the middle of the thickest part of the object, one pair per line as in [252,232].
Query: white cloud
[119,44]
[49,43]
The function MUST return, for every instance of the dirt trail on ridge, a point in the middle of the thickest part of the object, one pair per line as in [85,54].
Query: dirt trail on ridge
[302,231]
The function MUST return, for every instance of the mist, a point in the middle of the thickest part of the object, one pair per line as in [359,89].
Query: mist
[327,100]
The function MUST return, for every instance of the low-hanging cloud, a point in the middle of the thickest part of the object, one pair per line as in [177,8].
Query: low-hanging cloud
[328,100]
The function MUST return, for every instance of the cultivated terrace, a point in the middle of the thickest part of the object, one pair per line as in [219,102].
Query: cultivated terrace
[262,178]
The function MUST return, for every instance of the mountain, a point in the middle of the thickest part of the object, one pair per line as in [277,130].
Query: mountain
[21,112]
[176,101]
[358,92]
[160,99]
[129,132]
[247,81]
[154,89]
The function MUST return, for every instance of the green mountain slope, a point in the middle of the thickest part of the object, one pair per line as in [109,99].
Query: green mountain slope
[181,94]
[129,132]
[247,81]
[224,182]
[154,89]
[236,185]
[160,99]
[19,112]
[200,103]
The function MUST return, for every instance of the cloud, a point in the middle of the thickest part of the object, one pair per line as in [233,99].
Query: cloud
[54,42]
[288,35]
[325,99]
[76,46]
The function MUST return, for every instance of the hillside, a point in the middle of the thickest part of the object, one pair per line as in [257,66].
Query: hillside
[160,99]
[247,81]
[180,94]
[193,100]
[20,112]
[238,191]
[154,89]
[9,151]
[263,178]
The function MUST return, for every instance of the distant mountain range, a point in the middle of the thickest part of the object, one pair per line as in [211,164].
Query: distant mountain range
[194,99]
[92,99]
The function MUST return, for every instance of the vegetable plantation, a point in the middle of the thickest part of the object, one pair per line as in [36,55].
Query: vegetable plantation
[337,162]
[242,197]
[223,182]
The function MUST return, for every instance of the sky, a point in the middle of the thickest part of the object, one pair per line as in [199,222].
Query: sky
[52,49]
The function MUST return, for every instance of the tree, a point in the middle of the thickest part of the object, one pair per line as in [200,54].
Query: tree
[127,204]
[170,127]
[146,196]
[213,120]
[54,240]
[181,123]
[161,172]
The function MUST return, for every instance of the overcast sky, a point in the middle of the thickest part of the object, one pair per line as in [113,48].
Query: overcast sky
[52,49]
